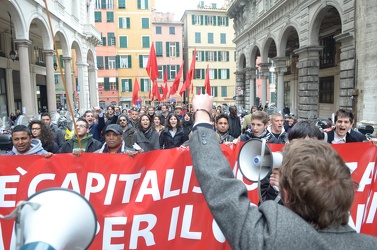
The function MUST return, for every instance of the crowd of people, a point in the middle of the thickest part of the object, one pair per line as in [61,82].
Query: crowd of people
[168,126]
[312,217]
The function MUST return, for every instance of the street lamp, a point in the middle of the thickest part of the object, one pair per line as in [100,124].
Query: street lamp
[12,53]
[55,66]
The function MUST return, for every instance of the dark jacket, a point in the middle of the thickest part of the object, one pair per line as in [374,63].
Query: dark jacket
[187,127]
[128,136]
[234,126]
[96,128]
[270,138]
[112,120]
[52,147]
[269,226]
[330,137]
[357,135]
[148,140]
[91,146]
[58,135]
[168,141]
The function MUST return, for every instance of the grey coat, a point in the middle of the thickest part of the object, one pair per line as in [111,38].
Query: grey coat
[269,226]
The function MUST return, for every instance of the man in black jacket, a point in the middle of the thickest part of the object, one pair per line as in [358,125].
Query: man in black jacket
[58,134]
[234,122]
[343,124]
[87,142]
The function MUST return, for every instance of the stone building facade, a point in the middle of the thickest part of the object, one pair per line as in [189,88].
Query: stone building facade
[322,53]
[28,76]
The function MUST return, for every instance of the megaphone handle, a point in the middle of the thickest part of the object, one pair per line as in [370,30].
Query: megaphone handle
[263,148]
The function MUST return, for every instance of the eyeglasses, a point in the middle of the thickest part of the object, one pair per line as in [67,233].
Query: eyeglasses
[81,126]
[35,129]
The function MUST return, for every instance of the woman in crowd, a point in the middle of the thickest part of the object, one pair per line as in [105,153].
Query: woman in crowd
[40,131]
[187,124]
[172,136]
[157,123]
[146,136]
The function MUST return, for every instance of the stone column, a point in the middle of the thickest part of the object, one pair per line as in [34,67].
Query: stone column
[240,84]
[347,71]
[250,76]
[83,97]
[308,81]
[26,88]
[93,90]
[50,83]
[280,68]
[10,89]
[68,81]
[265,72]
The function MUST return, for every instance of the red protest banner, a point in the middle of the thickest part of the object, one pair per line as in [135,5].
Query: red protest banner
[153,201]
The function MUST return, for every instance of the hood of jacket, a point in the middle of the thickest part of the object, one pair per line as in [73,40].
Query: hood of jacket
[35,148]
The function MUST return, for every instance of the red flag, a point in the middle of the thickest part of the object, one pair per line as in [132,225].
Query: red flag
[135,92]
[177,79]
[199,91]
[185,85]
[156,92]
[207,85]
[189,75]
[152,68]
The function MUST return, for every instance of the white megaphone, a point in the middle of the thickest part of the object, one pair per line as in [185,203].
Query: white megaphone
[256,160]
[56,219]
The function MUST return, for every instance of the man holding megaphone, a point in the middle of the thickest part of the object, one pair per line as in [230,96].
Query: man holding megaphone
[316,189]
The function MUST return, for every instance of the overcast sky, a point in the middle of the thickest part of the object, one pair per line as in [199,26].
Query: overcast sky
[178,7]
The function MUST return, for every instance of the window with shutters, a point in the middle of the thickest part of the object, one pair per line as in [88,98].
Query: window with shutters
[160,72]
[111,39]
[210,38]
[158,30]
[171,30]
[110,16]
[123,41]
[214,91]
[145,23]
[97,16]
[125,61]
[197,20]
[222,38]
[159,51]
[121,4]
[145,42]
[212,74]
[142,4]
[211,56]
[143,61]
[223,56]
[199,56]
[126,85]
[173,71]
[100,62]
[145,85]
[224,91]
[197,37]
[104,4]
[113,86]
[172,50]
[111,62]
[210,20]
[199,74]
[223,21]
[223,74]
[124,22]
